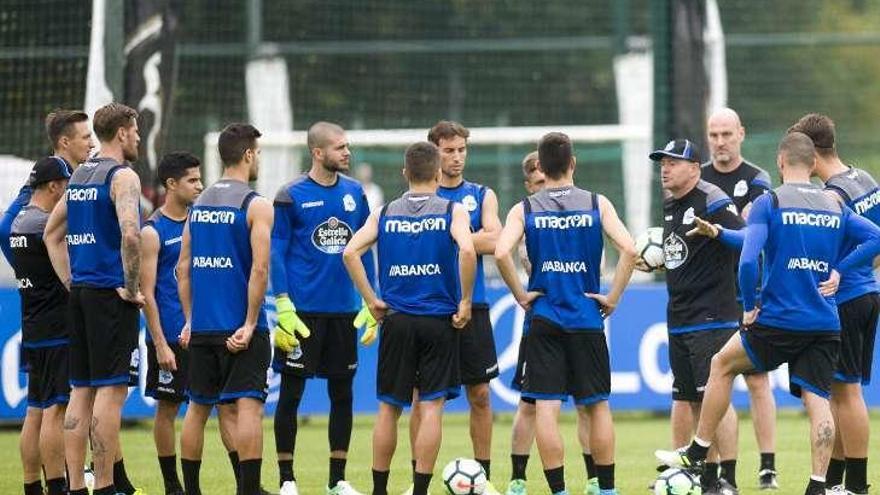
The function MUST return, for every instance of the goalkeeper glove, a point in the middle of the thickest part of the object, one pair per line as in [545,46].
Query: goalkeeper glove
[289,325]
[364,317]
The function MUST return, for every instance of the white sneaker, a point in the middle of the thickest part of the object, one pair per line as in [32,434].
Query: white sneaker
[288,488]
[409,491]
[343,488]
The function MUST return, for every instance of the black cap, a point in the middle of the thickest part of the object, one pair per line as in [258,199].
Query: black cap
[49,169]
[681,149]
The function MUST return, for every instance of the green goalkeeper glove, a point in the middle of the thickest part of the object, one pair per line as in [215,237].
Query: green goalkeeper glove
[289,325]
[364,317]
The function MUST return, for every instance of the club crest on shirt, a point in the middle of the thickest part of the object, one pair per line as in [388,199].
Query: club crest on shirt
[469,202]
[348,202]
[688,217]
[331,236]
[675,251]
[740,189]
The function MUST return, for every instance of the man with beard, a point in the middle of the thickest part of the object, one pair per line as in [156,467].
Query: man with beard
[316,302]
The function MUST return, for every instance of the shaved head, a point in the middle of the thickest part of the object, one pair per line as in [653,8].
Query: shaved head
[322,133]
[725,116]
[726,135]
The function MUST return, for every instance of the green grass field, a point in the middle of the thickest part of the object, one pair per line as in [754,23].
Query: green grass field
[637,437]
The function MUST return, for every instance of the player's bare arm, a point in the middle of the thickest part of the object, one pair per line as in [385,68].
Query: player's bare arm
[56,245]
[184,284]
[360,243]
[125,191]
[616,231]
[510,237]
[467,264]
[485,239]
[149,265]
[260,216]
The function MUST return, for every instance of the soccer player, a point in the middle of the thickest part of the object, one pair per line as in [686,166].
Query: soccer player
[226,245]
[315,216]
[803,233]
[93,240]
[743,182]
[43,331]
[858,307]
[426,272]
[523,430]
[477,341]
[566,354]
[702,312]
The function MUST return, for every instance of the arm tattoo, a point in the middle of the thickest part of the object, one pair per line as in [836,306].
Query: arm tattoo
[71,423]
[129,224]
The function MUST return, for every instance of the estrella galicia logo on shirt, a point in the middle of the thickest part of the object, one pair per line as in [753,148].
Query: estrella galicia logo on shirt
[675,251]
[469,202]
[348,202]
[331,236]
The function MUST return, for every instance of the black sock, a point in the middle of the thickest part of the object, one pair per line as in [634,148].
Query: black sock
[285,472]
[697,452]
[768,461]
[518,465]
[81,491]
[591,466]
[834,475]
[710,476]
[555,479]
[380,482]
[55,486]
[107,490]
[168,466]
[728,471]
[857,474]
[337,471]
[421,481]
[486,463]
[33,488]
[250,476]
[413,462]
[191,476]
[606,476]
[815,487]
[236,467]
[120,478]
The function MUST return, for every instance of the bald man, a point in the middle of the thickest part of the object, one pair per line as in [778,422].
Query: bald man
[744,182]
[315,216]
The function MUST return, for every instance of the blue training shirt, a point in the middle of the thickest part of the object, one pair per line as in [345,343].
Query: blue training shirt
[313,224]
[563,232]
[170,311]
[220,247]
[471,195]
[802,232]
[418,258]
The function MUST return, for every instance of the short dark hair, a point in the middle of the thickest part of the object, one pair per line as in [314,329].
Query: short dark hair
[421,161]
[174,165]
[319,134]
[235,140]
[110,117]
[797,149]
[820,129]
[554,154]
[59,123]
[447,129]
[530,164]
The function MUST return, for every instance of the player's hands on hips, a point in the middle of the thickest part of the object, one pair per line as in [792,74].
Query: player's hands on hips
[829,287]
[461,317]
[749,317]
[606,305]
[704,228]
[366,319]
[125,295]
[528,298]
[289,325]
[183,338]
[165,357]
[241,339]
[378,309]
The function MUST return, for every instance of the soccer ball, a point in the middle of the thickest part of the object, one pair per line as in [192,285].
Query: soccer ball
[464,477]
[675,481]
[649,246]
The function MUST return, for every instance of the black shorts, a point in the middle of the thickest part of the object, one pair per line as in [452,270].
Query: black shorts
[479,362]
[48,376]
[329,351]
[417,352]
[169,386]
[811,356]
[217,376]
[858,326]
[517,381]
[103,338]
[690,357]
[560,364]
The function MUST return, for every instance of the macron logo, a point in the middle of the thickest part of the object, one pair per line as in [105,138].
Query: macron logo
[811,219]
[212,216]
[86,194]
[868,202]
[18,241]
[562,223]
[415,226]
